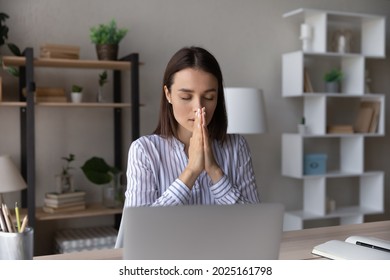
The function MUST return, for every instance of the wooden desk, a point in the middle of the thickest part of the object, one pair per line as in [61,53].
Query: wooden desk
[296,245]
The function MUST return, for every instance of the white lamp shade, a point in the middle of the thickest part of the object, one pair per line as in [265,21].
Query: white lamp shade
[10,178]
[245,110]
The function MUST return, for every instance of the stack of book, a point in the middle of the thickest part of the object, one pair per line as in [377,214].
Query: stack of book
[64,202]
[60,51]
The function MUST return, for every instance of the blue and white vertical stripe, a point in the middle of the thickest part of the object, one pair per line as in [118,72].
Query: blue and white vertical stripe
[155,163]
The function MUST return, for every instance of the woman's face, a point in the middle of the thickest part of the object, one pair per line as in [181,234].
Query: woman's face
[192,89]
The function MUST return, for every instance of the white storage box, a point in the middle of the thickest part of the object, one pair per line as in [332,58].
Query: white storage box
[85,239]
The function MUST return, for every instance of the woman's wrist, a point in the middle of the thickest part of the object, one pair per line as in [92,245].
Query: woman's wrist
[188,177]
[215,174]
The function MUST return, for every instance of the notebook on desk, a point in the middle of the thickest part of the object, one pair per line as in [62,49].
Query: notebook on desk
[354,248]
[243,231]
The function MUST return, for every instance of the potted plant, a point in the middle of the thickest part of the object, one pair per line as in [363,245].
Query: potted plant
[332,80]
[65,179]
[102,81]
[3,28]
[13,48]
[100,173]
[106,37]
[76,94]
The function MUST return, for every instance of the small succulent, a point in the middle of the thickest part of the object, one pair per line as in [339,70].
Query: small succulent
[103,78]
[333,75]
[77,88]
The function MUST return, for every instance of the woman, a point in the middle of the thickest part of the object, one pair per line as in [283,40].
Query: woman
[189,159]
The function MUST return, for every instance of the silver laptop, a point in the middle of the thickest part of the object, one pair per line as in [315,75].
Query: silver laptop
[240,231]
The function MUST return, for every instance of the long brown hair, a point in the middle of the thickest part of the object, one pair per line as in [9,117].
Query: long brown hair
[198,58]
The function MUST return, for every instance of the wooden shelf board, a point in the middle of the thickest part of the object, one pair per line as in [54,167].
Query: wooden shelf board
[84,104]
[68,63]
[69,104]
[13,104]
[95,209]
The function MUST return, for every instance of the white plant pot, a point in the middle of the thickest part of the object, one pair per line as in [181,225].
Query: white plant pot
[76,97]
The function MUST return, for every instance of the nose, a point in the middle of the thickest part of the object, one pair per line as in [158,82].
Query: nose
[197,104]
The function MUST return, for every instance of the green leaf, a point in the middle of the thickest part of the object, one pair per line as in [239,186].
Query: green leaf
[102,78]
[14,49]
[77,88]
[107,33]
[97,171]
[13,71]
[333,75]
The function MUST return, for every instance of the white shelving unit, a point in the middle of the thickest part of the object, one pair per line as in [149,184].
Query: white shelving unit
[320,109]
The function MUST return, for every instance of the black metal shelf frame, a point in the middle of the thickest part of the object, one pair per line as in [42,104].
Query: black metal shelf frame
[27,123]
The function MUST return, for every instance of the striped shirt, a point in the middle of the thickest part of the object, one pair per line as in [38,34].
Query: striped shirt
[155,163]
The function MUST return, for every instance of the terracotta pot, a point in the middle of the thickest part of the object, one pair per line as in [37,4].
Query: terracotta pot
[107,52]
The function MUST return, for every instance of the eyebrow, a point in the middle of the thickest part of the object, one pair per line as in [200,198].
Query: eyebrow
[186,90]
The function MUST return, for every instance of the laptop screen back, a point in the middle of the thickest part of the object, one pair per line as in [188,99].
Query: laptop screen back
[241,231]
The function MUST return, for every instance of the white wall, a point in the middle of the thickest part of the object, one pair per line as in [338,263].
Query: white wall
[248,38]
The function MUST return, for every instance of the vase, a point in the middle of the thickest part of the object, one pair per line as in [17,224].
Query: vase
[76,97]
[113,195]
[332,87]
[99,95]
[64,183]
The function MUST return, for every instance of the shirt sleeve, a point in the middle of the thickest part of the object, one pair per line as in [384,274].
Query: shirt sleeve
[142,186]
[241,186]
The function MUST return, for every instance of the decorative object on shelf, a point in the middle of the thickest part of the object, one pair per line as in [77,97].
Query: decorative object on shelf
[102,81]
[367,117]
[339,129]
[302,128]
[306,36]
[60,51]
[342,40]
[245,109]
[77,94]
[332,80]
[100,173]
[14,71]
[307,86]
[12,47]
[330,205]
[48,94]
[10,178]
[3,28]
[315,164]
[64,180]
[367,81]
[106,37]
[85,239]
[64,202]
